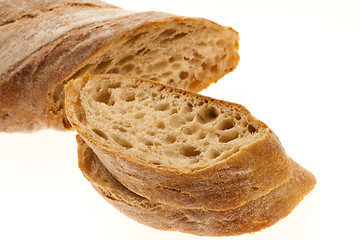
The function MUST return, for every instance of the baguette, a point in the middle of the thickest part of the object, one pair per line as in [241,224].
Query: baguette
[44,44]
[173,146]
[251,217]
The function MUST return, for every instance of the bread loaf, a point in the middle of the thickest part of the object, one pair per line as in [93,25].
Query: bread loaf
[43,44]
[253,216]
[173,146]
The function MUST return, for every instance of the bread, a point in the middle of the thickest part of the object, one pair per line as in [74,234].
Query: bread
[43,44]
[174,146]
[253,216]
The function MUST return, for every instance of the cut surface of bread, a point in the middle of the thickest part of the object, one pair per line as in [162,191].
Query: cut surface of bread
[46,44]
[173,146]
[251,217]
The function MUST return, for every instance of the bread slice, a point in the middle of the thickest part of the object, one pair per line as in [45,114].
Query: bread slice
[45,44]
[253,216]
[173,146]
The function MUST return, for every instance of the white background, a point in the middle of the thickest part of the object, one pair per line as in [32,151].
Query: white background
[299,72]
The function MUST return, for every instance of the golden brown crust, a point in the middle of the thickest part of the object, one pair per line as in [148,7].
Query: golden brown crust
[45,43]
[252,172]
[265,161]
[253,216]
[11,11]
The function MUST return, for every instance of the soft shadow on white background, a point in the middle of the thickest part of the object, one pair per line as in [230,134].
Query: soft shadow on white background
[299,73]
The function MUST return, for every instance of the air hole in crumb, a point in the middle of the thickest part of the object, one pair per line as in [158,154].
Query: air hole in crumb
[113,70]
[207,114]
[147,142]
[146,51]
[228,136]
[189,131]
[160,65]
[156,163]
[255,188]
[197,55]
[162,106]
[189,151]
[171,59]
[167,32]
[220,43]
[100,133]
[154,94]
[114,85]
[183,75]
[124,60]
[204,66]
[187,109]
[170,139]
[174,110]
[226,124]
[179,35]
[189,117]
[150,133]
[251,128]
[128,68]
[140,51]
[214,69]
[132,40]
[213,154]
[139,115]
[129,97]
[103,97]
[122,142]
[160,88]
[167,74]
[160,125]
[175,37]
[119,128]
[102,66]
[244,123]
[201,135]
[81,116]
[238,116]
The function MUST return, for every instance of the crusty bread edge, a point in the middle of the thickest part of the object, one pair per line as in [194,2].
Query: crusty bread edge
[251,217]
[186,189]
[161,18]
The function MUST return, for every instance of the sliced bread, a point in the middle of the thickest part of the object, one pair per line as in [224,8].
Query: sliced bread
[174,146]
[44,44]
[253,216]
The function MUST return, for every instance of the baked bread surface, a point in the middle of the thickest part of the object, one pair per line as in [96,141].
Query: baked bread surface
[173,146]
[251,217]
[44,44]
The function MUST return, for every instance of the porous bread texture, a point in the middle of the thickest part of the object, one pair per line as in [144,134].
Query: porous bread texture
[162,129]
[47,43]
[186,53]
[251,217]
[173,146]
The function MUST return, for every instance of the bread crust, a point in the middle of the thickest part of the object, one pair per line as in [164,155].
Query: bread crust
[253,216]
[44,44]
[252,172]
[11,11]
